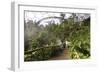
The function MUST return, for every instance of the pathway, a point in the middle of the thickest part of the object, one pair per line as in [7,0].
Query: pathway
[63,56]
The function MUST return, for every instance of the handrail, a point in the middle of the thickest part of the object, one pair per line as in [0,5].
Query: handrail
[30,51]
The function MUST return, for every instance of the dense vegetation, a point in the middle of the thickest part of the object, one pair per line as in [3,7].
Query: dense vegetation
[43,42]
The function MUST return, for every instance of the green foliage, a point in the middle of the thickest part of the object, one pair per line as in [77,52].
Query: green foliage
[45,39]
[80,42]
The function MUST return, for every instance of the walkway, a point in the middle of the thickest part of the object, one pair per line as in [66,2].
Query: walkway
[63,56]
